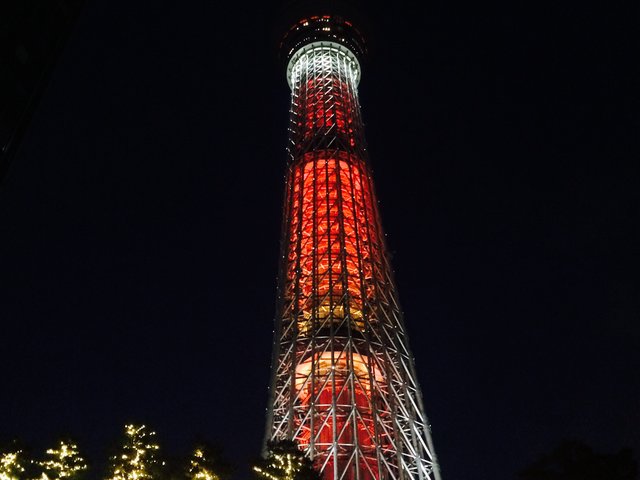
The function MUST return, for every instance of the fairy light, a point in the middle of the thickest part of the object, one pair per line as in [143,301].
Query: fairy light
[11,465]
[198,469]
[137,457]
[64,462]
[283,465]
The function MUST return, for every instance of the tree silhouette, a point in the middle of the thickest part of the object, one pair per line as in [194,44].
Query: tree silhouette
[573,460]
[137,457]
[207,463]
[63,462]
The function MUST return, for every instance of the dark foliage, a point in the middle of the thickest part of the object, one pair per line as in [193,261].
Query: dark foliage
[573,460]
[211,458]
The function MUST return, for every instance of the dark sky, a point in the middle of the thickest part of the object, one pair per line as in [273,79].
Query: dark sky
[140,224]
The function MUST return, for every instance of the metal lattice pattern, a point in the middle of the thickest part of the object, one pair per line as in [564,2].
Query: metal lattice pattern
[344,384]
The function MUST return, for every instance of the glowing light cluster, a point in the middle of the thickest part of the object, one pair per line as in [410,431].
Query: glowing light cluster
[286,462]
[63,462]
[11,465]
[198,469]
[137,457]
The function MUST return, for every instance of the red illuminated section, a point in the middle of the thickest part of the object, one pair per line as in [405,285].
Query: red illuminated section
[328,105]
[348,428]
[330,276]
[329,258]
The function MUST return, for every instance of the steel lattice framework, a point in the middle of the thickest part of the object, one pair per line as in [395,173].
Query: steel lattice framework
[344,385]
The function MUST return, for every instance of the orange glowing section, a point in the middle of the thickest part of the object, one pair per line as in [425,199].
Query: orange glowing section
[329,259]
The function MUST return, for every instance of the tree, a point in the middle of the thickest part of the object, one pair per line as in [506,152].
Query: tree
[573,460]
[207,463]
[200,467]
[11,465]
[285,461]
[136,459]
[62,463]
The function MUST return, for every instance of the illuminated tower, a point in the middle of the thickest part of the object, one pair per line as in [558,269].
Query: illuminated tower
[344,385]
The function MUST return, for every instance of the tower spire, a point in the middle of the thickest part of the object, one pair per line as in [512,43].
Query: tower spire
[344,384]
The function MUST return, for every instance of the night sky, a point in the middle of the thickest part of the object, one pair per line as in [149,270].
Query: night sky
[140,226]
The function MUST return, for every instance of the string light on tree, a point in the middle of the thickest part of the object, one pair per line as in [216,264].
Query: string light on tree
[137,458]
[285,461]
[63,463]
[200,467]
[11,465]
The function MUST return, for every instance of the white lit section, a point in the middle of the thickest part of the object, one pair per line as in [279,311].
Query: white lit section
[324,56]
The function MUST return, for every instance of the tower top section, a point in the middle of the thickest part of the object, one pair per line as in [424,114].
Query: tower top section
[326,32]
[323,28]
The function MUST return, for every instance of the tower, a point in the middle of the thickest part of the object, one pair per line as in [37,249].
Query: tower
[343,379]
